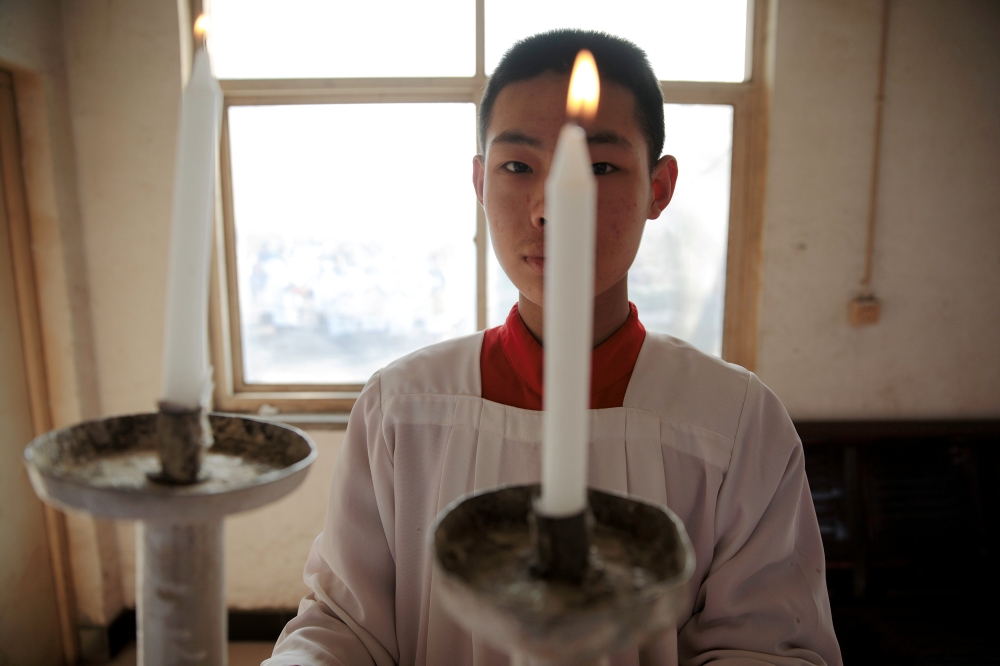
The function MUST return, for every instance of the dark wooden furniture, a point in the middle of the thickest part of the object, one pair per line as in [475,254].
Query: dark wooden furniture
[909,512]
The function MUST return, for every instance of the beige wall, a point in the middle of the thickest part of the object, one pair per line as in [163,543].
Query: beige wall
[937,270]
[123,60]
[936,352]
[267,548]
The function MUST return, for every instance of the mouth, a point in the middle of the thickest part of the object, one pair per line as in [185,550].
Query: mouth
[536,263]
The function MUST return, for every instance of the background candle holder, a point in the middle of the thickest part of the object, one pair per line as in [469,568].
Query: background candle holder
[109,467]
[484,559]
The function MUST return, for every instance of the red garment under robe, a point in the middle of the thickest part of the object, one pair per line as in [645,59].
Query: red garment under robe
[512,367]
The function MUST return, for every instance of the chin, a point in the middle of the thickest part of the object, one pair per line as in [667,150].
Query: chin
[532,294]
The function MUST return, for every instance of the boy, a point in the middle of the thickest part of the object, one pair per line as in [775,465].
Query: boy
[669,424]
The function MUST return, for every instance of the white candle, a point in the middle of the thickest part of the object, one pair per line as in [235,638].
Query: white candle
[186,374]
[570,230]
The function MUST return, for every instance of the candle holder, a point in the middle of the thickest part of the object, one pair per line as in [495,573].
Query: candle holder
[112,468]
[486,561]
[561,544]
[184,435]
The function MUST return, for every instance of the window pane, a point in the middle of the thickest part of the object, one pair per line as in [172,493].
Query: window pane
[317,38]
[678,279]
[686,40]
[355,228]
[501,294]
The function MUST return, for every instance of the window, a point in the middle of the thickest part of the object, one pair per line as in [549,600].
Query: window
[337,256]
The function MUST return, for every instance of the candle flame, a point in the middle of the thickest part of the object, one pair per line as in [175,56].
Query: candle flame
[201,26]
[584,88]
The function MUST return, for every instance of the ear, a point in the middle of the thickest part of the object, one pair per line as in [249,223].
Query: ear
[664,180]
[478,173]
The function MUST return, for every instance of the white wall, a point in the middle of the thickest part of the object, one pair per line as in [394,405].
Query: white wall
[936,352]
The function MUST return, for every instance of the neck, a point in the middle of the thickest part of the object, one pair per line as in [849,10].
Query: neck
[610,312]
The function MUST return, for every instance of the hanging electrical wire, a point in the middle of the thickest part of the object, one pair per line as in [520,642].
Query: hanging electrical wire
[866,308]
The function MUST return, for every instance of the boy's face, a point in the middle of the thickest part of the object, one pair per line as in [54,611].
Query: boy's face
[510,179]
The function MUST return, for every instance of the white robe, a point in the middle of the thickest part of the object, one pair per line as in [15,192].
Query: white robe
[701,436]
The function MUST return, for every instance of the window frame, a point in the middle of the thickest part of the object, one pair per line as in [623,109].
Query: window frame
[310,401]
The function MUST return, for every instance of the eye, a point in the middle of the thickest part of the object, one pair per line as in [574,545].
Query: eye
[516,167]
[604,168]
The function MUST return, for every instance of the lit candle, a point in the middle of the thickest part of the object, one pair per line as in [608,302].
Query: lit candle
[570,230]
[186,374]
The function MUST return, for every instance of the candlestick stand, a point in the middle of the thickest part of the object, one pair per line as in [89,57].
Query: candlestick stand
[562,546]
[485,561]
[111,468]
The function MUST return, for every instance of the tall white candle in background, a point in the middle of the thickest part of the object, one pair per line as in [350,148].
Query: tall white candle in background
[186,374]
[570,230]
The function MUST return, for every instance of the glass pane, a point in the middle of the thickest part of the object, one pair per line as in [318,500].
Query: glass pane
[501,294]
[686,40]
[260,39]
[355,228]
[678,280]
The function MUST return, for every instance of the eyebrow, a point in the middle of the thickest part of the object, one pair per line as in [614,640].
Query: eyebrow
[517,138]
[609,138]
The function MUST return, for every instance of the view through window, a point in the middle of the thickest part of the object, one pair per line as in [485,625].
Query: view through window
[355,223]
[355,235]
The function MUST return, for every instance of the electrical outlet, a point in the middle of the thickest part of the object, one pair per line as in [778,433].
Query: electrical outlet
[865,311]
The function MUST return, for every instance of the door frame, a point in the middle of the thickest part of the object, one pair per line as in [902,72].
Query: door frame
[19,229]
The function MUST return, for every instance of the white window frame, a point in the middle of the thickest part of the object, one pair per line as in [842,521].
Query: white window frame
[749,102]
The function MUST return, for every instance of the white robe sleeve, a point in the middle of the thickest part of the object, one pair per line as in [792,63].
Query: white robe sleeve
[349,617]
[764,600]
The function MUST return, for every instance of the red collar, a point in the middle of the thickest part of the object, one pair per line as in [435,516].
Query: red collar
[611,365]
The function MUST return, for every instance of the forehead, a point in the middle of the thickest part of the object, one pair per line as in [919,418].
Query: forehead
[538,106]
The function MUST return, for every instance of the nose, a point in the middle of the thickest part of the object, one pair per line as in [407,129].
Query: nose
[538,211]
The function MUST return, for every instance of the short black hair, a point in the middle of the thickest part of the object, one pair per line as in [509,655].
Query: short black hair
[618,60]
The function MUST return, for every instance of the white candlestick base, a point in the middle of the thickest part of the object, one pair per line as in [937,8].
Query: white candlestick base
[181,602]
[103,467]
